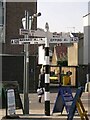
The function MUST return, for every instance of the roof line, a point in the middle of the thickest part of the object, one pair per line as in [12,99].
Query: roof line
[86,15]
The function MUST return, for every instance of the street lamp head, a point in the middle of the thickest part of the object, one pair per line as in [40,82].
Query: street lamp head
[31,18]
[37,14]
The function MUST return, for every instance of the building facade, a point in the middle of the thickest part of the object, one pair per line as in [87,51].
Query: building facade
[11,14]
[86,56]
[86,21]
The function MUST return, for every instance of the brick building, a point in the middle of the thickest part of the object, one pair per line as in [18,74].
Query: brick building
[12,55]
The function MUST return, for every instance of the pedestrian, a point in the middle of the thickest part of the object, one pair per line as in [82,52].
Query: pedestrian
[41,84]
[58,77]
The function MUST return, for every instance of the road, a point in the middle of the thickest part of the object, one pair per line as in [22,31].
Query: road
[37,108]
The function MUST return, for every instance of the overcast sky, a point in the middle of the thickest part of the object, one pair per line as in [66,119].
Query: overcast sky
[62,16]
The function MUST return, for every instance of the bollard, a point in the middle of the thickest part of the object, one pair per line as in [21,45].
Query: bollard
[87,85]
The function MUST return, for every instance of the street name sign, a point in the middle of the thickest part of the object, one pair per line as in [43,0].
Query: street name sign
[63,40]
[21,41]
[42,40]
[34,33]
[53,37]
[38,37]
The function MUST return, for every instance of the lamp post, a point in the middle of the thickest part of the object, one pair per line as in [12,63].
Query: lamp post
[27,22]
[26,67]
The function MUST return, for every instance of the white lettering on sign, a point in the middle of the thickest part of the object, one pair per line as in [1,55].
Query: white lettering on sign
[11,101]
[63,40]
[15,41]
[59,40]
[69,103]
[32,41]
[23,31]
[25,39]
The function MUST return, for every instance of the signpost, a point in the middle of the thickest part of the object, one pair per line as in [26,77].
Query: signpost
[26,67]
[41,40]
[39,37]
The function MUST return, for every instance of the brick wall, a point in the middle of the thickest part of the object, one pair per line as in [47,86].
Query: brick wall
[14,13]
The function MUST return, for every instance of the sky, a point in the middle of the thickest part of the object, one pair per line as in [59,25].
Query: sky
[62,16]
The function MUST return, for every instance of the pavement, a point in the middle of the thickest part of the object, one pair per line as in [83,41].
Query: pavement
[36,111]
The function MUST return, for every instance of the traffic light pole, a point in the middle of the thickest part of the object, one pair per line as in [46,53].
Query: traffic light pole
[26,69]
[47,74]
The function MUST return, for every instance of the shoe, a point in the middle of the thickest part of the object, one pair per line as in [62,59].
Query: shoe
[40,100]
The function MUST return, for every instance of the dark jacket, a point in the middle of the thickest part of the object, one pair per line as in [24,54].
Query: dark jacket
[41,80]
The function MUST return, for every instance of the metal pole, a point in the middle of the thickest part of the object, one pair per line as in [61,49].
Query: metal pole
[26,68]
[87,76]
[6,103]
[47,74]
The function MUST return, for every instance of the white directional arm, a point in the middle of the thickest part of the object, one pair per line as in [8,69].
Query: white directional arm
[54,37]
[38,37]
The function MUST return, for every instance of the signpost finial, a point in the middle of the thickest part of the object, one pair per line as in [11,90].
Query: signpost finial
[47,26]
